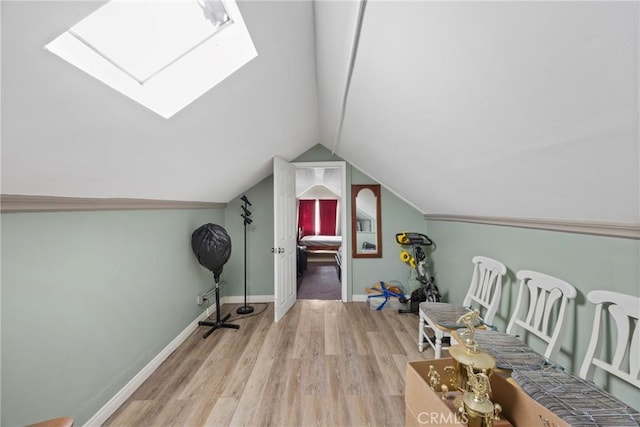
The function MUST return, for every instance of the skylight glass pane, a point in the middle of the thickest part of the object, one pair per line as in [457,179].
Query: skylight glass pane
[143,37]
[164,54]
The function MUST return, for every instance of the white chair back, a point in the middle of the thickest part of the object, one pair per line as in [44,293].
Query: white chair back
[544,314]
[624,310]
[486,287]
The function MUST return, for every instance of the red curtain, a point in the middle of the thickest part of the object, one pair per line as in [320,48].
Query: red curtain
[328,217]
[307,217]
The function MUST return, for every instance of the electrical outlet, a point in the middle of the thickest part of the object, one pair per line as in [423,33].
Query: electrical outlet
[201,299]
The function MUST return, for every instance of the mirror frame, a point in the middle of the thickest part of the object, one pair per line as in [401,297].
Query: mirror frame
[355,189]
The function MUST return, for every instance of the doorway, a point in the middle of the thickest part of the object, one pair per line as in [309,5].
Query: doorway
[287,237]
[322,230]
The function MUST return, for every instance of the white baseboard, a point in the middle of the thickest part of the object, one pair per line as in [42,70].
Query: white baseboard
[116,401]
[365,297]
[250,298]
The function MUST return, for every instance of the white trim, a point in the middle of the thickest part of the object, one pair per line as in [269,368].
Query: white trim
[347,84]
[121,396]
[365,297]
[239,299]
[610,229]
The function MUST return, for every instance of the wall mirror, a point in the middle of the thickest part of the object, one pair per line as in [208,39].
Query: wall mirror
[366,236]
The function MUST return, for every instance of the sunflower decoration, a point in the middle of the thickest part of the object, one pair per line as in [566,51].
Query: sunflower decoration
[406,257]
[402,238]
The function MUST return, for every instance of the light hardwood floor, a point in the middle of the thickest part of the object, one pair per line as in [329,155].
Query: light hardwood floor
[326,363]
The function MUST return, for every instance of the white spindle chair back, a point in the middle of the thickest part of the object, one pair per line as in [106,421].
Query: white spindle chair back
[485,290]
[541,311]
[624,310]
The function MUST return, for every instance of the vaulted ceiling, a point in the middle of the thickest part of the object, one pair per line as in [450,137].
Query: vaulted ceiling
[524,109]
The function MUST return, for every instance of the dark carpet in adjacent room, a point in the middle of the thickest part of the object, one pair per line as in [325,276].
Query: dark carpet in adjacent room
[320,281]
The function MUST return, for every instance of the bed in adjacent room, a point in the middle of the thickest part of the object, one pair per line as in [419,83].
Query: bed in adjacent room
[317,243]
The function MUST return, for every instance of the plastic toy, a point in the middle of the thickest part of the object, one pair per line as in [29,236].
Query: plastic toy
[380,289]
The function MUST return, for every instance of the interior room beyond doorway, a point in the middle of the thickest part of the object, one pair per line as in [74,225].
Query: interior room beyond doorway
[320,213]
[321,278]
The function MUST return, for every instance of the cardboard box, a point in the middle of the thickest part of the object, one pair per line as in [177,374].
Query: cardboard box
[426,408]
[519,408]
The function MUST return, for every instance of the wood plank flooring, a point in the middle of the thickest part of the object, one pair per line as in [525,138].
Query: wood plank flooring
[326,363]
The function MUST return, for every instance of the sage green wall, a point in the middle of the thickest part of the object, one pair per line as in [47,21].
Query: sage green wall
[318,153]
[88,299]
[587,262]
[397,216]
[259,243]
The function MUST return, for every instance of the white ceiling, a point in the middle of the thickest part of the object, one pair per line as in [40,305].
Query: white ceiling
[524,109]
[64,133]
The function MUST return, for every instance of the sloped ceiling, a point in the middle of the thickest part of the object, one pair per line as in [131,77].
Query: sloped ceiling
[523,109]
[66,134]
[318,183]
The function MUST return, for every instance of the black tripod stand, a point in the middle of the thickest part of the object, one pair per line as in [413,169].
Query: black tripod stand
[219,323]
[246,309]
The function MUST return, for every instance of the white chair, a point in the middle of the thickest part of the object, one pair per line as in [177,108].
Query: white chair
[484,294]
[544,314]
[624,310]
[485,290]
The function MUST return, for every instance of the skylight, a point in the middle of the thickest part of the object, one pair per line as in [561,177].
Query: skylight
[162,54]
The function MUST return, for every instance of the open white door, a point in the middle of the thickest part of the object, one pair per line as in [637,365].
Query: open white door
[284,236]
